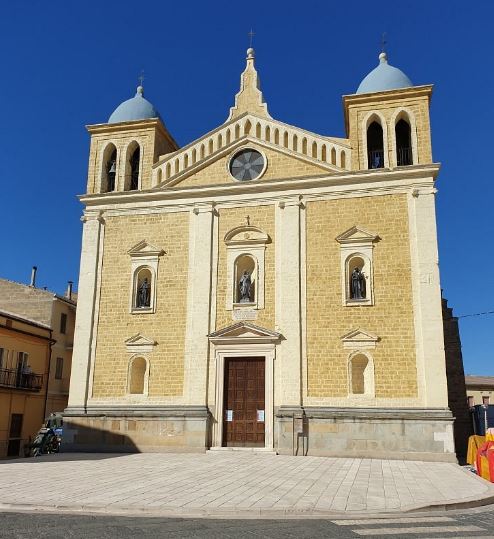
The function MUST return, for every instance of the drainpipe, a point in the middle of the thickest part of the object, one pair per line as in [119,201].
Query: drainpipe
[52,342]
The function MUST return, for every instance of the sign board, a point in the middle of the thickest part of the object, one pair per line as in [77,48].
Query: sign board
[244,314]
[260,416]
[229,415]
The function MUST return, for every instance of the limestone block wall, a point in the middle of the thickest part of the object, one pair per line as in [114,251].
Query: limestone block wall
[26,301]
[390,318]
[166,326]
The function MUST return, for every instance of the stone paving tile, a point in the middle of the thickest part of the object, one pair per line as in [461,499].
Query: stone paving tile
[233,480]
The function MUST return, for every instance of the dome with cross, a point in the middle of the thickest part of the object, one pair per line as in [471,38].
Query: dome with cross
[384,77]
[136,108]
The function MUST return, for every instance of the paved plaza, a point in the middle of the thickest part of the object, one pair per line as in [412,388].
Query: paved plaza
[231,483]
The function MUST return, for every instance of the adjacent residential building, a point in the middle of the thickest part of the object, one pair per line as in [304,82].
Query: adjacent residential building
[36,339]
[479,389]
[263,285]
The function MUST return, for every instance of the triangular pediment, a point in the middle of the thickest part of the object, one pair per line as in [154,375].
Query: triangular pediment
[357,234]
[143,248]
[139,343]
[320,154]
[244,331]
[359,338]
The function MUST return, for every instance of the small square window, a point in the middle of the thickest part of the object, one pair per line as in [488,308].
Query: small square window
[59,368]
[63,323]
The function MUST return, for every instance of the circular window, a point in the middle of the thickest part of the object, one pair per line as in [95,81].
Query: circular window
[247,165]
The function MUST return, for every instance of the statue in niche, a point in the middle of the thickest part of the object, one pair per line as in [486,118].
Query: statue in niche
[244,286]
[144,294]
[357,284]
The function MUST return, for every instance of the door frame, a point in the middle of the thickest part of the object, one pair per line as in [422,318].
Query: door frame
[266,351]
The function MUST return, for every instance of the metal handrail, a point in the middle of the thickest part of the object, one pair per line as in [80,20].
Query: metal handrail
[20,380]
[375,159]
[404,156]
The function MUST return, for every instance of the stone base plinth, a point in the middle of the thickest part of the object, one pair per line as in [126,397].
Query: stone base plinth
[382,433]
[136,429]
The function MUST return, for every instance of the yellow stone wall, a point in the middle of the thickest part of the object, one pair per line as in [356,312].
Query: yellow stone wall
[152,141]
[280,165]
[263,218]
[166,325]
[387,107]
[391,318]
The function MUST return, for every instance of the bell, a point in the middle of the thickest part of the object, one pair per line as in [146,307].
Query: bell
[113,168]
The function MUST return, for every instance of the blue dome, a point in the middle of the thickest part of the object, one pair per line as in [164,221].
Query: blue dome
[384,77]
[133,109]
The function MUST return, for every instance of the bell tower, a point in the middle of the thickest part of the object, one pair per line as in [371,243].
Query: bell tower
[387,120]
[124,149]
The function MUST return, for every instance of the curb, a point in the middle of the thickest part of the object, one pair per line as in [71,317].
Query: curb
[178,512]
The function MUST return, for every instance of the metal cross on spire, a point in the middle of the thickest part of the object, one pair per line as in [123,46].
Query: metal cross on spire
[251,35]
[141,78]
[383,42]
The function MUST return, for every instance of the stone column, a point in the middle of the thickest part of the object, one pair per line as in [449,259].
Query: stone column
[288,303]
[431,365]
[91,254]
[198,304]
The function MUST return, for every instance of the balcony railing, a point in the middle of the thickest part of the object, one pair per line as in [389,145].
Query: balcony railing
[404,157]
[20,380]
[376,159]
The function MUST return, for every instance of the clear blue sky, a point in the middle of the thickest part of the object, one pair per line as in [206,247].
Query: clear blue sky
[68,64]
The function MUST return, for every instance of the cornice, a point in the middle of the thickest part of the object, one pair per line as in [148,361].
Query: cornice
[389,95]
[137,125]
[355,180]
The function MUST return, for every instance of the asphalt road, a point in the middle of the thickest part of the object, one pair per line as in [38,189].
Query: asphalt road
[471,523]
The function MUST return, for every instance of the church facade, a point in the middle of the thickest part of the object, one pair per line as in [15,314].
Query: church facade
[263,287]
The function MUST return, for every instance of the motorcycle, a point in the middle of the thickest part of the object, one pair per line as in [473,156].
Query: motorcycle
[45,442]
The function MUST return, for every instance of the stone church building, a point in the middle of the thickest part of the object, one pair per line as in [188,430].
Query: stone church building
[264,286]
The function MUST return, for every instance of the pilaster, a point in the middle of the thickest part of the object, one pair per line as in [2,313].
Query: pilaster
[427,299]
[198,303]
[91,257]
[288,301]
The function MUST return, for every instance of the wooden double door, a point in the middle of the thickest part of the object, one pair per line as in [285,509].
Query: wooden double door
[244,402]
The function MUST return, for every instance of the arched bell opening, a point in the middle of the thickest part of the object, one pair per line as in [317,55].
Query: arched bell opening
[375,146]
[109,172]
[404,153]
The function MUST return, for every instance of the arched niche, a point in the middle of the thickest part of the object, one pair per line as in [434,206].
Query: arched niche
[358,268]
[245,271]
[138,376]
[246,248]
[360,374]
[144,284]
